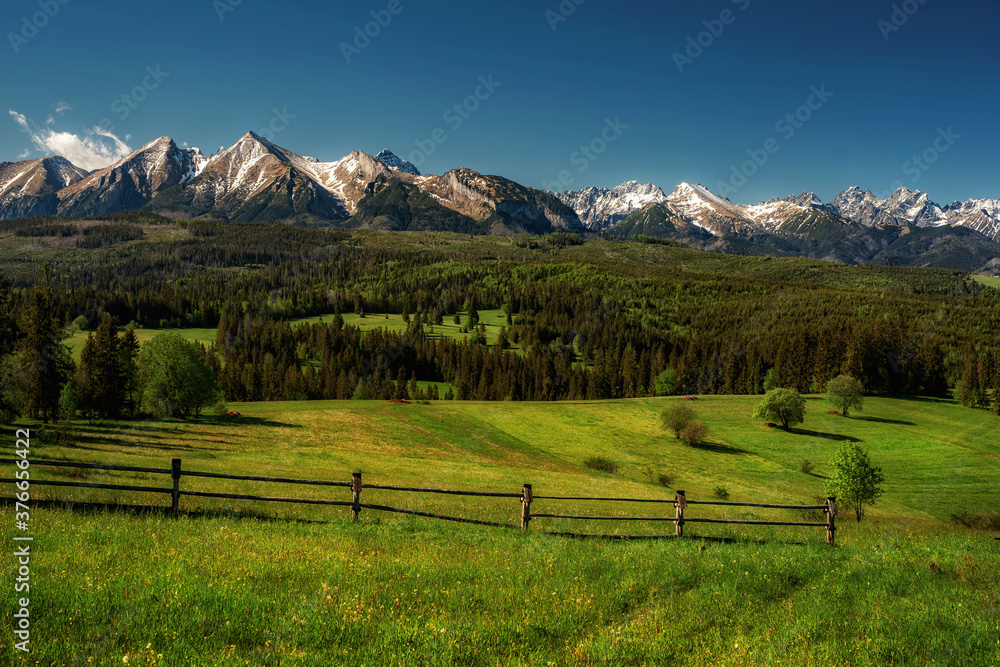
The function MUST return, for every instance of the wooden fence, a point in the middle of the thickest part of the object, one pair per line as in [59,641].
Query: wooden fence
[679,502]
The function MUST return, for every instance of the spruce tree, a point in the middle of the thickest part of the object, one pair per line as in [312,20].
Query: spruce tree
[44,359]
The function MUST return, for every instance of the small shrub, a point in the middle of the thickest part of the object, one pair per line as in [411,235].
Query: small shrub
[676,417]
[806,466]
[721,492]
[602,464]
[694,433]
[664,479]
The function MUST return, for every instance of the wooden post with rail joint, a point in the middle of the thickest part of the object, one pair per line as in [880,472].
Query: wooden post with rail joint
[680,503]
[831,513]
[526,498]
[175,496]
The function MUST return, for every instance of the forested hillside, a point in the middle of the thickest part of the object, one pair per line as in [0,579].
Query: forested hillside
[582,319]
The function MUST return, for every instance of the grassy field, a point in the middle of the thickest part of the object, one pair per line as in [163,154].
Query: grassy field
[989,281]
[492,319]
[240,588]
[204,336]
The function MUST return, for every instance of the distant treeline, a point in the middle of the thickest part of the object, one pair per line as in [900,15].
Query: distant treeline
[588,320]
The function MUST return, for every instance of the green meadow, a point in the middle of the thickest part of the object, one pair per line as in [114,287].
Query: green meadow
[493,320]
[235,582]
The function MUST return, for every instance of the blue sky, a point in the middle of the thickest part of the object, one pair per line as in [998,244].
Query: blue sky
[755,99]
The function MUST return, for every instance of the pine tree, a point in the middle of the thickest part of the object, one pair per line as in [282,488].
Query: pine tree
[128,350]
[44,359]
[107,375]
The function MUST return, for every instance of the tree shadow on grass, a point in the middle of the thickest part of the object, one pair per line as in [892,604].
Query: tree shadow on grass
[720,448]
[86,507]
[882,420]
[241,421]
[825,436]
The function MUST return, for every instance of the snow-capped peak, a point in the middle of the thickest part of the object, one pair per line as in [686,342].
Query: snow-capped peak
[599,208]
[396,163]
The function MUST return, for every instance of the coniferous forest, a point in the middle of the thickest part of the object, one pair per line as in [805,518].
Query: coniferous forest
[584,318]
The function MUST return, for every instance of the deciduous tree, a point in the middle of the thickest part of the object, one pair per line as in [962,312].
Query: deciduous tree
[781,405]
[845,392]
[855,480]
[676,417]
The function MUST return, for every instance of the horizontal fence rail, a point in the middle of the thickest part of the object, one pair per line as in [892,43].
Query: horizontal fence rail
[526,496]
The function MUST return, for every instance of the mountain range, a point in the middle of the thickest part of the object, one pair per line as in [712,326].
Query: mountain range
[256,180]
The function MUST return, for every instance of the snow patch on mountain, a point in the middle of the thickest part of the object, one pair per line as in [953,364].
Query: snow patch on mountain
[600,208]
[396,163]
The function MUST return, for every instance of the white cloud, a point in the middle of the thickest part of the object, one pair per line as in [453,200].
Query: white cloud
[62,107]
[95,149]
[26,153]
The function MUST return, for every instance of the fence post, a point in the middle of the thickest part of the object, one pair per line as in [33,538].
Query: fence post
[356,486]
[175,472]
[831,512]
[680,502]
[526,498]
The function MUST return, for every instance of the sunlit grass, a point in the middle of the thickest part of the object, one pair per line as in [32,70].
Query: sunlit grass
[903,587]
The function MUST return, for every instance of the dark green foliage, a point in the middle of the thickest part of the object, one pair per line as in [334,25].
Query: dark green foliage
[845,392]
[694,433]
[100,236]
[602,464]
[855,481]
[596,320]
[397,206]
[175,377]
[68,402]
[676,417]
[47,229]
[43,362]
[721,492]
[107,375]
[782,405]
[666,383]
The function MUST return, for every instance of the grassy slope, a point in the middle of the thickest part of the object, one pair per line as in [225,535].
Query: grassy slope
[938,456]
[900,588]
